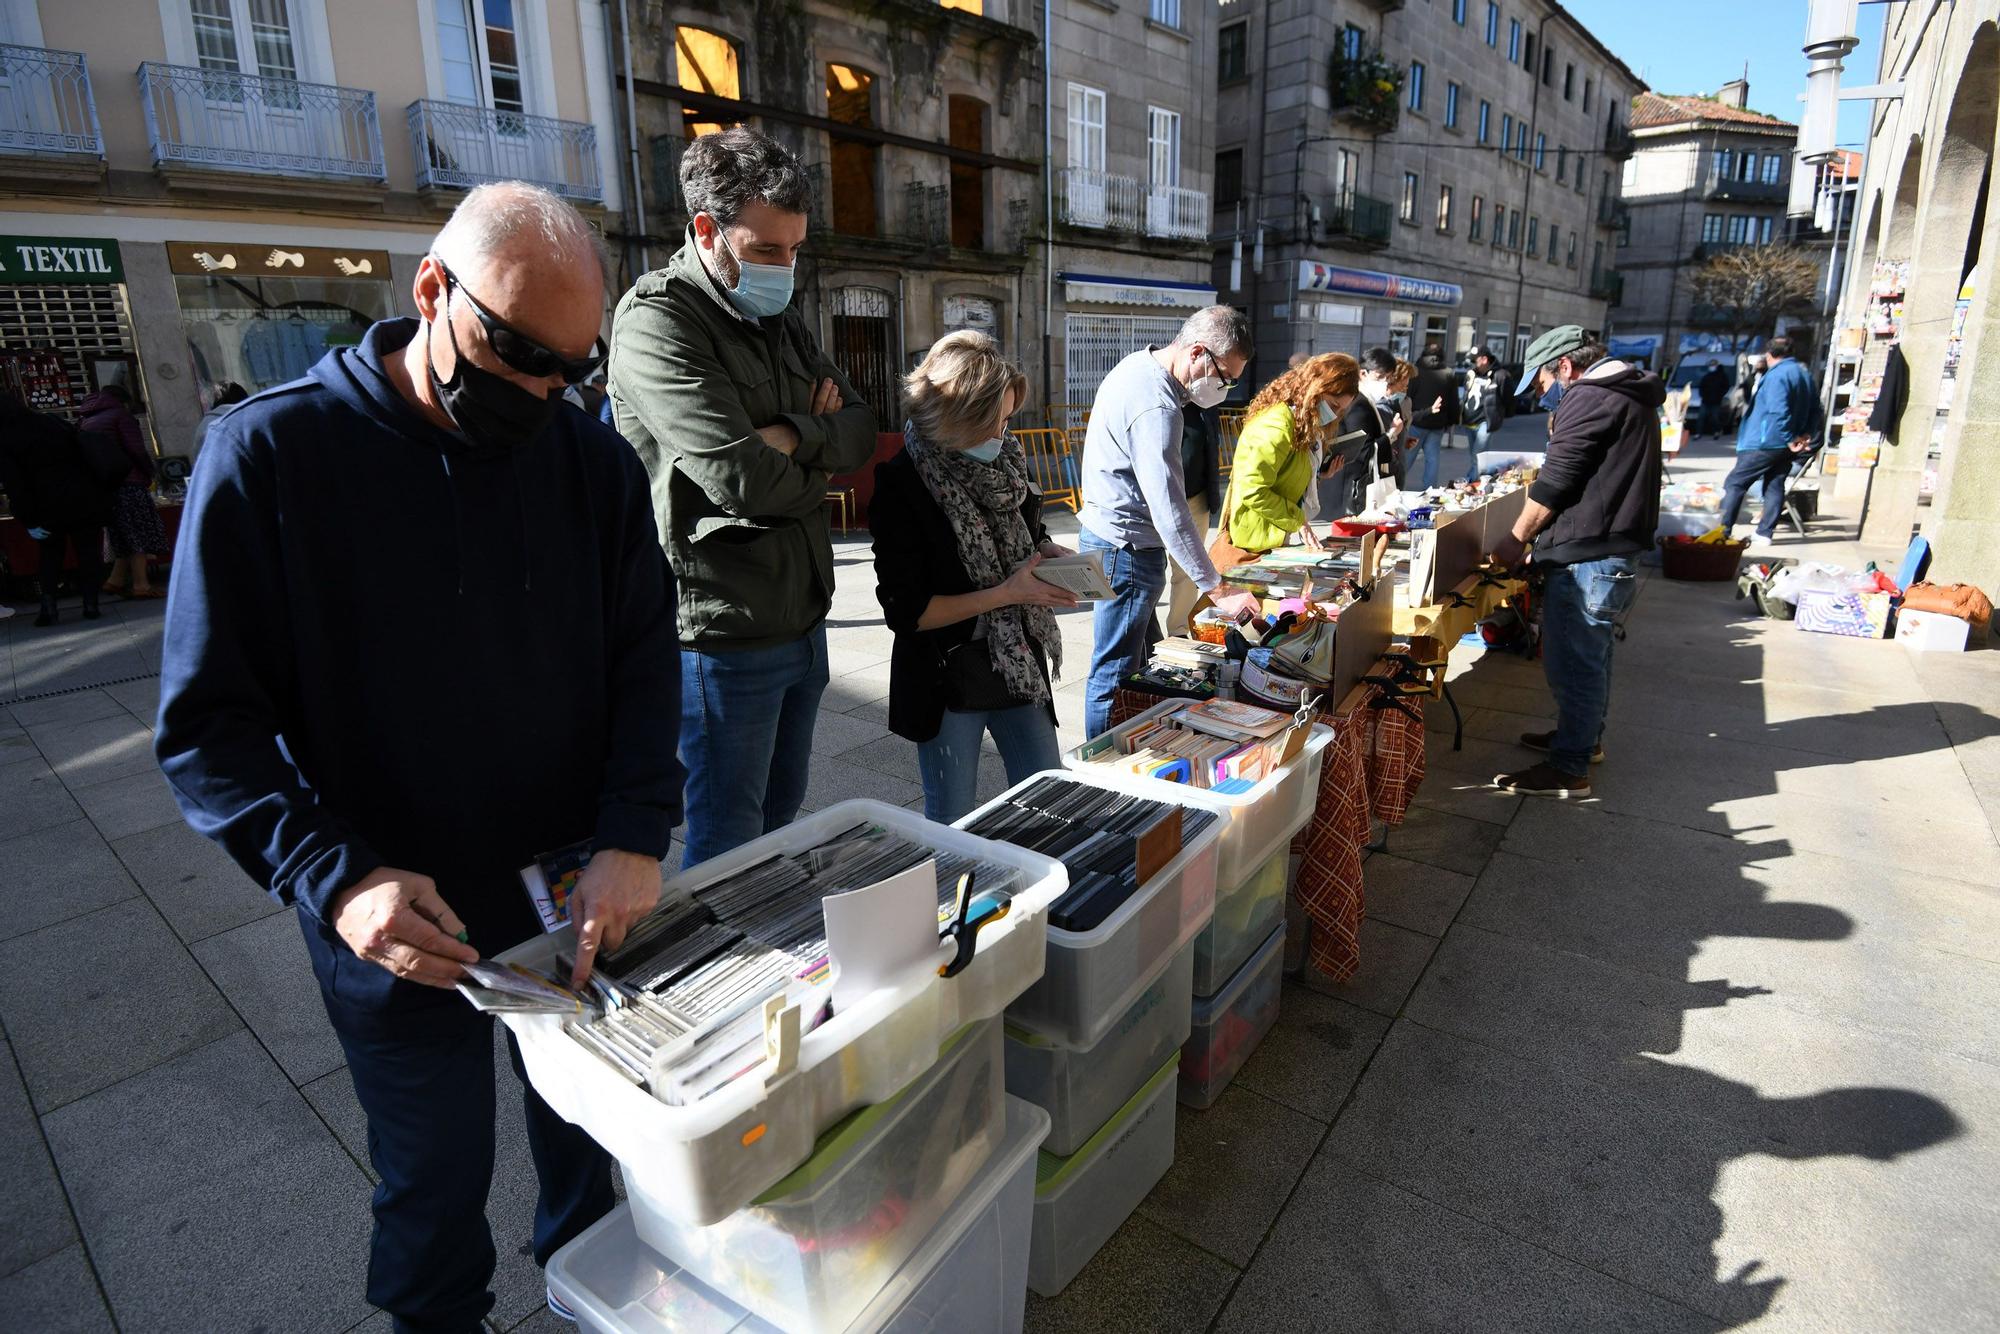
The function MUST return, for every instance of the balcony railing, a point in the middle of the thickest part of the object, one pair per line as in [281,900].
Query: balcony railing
[225,121]
[1366,89]
[1099,200]
[1358,220]
[1177,214]
[46,107]
[1613,213]
[1607,285]
[1720,186]
[458,147]
[1619,143]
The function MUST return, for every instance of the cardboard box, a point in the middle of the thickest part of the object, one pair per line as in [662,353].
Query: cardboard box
[1931,632]
[1855,615]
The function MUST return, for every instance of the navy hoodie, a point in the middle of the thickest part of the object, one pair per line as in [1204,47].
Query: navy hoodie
[387,647]
[1601,474]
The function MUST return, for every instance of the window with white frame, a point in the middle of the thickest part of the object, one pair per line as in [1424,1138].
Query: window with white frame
[1166,13]
[1444,208]
[245,37]
[1475,227]
[1409,207]
[1086,128]
[1346,175]
[1774,167]
[479,52]
[1163,148]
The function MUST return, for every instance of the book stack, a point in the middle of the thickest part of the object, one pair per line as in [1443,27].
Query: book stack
[1217,744]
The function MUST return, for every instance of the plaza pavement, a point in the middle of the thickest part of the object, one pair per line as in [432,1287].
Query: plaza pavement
[1718,1049]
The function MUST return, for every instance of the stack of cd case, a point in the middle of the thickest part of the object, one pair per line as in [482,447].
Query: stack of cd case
[1095,832]
[677,1007]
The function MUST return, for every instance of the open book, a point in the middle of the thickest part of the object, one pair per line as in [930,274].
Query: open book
[1082,575]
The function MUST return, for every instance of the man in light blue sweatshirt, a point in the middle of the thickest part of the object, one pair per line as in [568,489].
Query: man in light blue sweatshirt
[1135,509]
[1783,423]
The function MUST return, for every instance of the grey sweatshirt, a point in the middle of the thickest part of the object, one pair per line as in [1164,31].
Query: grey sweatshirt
[1133,492]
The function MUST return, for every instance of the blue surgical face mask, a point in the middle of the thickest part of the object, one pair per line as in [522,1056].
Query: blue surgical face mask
[1325,413]
[986,450]
[761,289]
[1553,396]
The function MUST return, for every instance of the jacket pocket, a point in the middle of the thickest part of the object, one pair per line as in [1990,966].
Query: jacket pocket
[742,578]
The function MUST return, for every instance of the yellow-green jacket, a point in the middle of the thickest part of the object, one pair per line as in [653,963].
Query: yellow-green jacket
[1268,481]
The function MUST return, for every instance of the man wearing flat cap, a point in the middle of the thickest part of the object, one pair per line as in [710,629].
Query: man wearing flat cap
[1589,514]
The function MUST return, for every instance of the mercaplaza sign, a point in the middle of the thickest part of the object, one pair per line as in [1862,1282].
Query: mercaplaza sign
[59,259]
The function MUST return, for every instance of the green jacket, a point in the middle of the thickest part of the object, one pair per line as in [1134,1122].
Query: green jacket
[1267,482]
[744,526]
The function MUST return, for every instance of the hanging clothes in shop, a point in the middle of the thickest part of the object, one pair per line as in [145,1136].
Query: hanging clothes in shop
[1894,394]
[277,351]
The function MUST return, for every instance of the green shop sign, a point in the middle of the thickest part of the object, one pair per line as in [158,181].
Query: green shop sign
[59,259]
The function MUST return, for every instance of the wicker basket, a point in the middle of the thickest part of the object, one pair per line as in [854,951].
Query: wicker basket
[1701,562]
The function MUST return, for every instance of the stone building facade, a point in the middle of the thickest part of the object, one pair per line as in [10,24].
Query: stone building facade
[1710,174]
[922,127]
[1925,204]
[1439,173]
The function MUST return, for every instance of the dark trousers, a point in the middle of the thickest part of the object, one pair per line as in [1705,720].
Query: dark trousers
[1763,468]
[429,1096]
[89,546]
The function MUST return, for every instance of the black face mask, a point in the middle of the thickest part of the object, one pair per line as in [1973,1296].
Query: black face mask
[491,411]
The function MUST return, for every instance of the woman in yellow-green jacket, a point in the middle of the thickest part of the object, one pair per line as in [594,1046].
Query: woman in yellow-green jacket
[1282,448]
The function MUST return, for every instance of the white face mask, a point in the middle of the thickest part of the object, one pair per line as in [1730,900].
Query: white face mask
[1209,390]
[986,450]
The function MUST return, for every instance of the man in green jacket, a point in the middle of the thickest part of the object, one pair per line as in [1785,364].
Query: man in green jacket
[740,418]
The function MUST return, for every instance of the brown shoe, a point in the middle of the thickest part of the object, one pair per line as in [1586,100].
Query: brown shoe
[1545,780]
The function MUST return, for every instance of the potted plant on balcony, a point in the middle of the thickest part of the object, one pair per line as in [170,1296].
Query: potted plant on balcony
[1366,88]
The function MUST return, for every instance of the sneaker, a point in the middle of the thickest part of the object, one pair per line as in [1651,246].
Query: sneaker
[556,1306]
[1544,781]
[1540,741]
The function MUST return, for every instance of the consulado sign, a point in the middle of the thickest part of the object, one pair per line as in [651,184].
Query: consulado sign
[59,259]
[1315,277]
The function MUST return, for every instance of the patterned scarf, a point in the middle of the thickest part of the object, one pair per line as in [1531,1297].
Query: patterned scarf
[983,502]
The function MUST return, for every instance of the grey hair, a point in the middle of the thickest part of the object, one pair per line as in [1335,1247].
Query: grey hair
[495,218]
[723,174]
[1223,330]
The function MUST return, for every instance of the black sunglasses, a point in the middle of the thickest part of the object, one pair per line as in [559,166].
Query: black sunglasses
[1216,362]
[521,352]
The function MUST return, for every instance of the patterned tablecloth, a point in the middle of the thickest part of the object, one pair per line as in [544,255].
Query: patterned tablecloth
[1372,770]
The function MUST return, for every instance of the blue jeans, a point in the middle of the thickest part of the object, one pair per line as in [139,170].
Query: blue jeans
[949,761]
[1430,442]
[1473,446]
[1122,626]
[746,739]
[1764,468]
[425,1081]
[1581,607]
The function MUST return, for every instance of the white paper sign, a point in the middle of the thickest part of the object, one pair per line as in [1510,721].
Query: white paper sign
[880,935]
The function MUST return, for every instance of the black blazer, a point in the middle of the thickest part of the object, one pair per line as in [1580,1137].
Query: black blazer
[916,559]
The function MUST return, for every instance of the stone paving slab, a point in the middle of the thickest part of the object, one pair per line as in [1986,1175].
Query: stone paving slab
[1146,1280]
[93,751]
[1234,1165]
[193,882]
[56,1295]
[60,872]
[1394,959]
[36,1222]
[121,807]
[32,797]
[101,998]
[263,970]
[1413,895]
[209,1192]
[1353,1254]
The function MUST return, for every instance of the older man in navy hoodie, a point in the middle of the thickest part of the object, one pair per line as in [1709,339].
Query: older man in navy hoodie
[420,632]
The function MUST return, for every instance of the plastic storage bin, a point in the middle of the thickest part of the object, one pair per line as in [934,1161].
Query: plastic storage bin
[1229,1025]
[812,1252]
[1092,977]
[1245,913]
[970,1276]
[1277,807]
[702,1162]
[1082,1199]
[1083,1087]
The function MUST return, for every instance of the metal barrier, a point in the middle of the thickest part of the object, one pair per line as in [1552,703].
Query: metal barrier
[258,124]
[1229,427]
[458,147]
[1051,465]
[46,106]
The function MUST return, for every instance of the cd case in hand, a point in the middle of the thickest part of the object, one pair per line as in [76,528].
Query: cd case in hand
[1081,574]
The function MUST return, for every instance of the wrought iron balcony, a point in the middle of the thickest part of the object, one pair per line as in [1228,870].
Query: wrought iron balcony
[220,120]
[1357,220]
[1613,213]
[1607,285]
[1618,142]
[46,107]
[1721,186]
[1099,200]
[1177,214]
[458,147]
